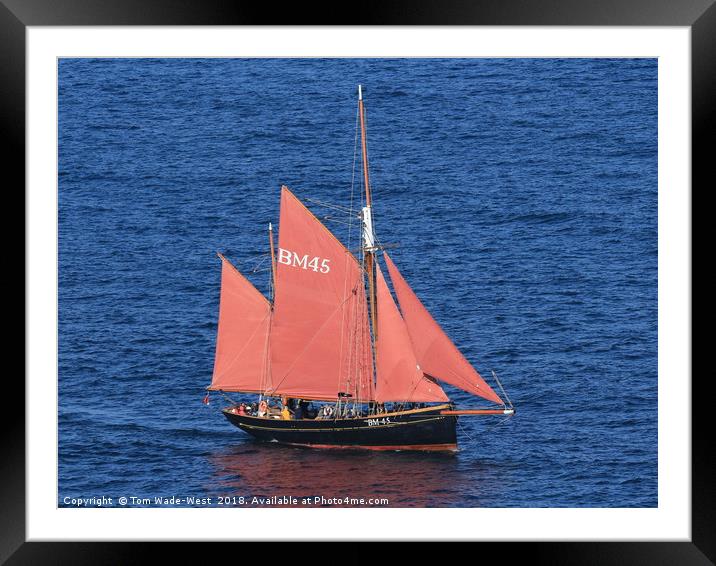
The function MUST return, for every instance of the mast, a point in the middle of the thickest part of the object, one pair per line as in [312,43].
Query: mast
[273,262]
[369,248]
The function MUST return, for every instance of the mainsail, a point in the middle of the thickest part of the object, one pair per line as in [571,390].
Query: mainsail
[320,344]
[241,362]
[399,375]
[436,353]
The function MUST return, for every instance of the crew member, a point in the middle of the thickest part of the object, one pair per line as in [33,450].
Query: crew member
[285,413]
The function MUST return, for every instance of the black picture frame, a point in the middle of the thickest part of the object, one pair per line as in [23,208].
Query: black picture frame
[699,15]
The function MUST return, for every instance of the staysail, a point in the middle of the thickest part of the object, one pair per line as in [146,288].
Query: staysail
[320,344]
[399,376]
[436,353]
[241,361]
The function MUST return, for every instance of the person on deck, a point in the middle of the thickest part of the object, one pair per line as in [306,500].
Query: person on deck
[299,410]
[285,413]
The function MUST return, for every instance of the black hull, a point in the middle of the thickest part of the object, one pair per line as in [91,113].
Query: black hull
[423,429]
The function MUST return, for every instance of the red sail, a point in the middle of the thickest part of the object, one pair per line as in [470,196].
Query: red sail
[436,353]
[399,375]
[320,346]
[241,362]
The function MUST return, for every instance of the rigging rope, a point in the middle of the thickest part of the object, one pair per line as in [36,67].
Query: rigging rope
[349,223]
[327,205]
[345,288]
[501,388]
[261,261]
[493,427]
[464,431]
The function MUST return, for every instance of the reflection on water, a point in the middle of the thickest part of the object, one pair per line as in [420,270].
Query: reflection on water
[406,479]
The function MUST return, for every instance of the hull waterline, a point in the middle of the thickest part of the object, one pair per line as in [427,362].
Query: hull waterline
[422,430]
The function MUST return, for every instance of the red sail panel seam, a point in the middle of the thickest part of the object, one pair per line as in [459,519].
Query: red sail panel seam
[315,335]
[246,344]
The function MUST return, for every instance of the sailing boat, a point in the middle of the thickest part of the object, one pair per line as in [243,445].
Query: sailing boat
[333,337]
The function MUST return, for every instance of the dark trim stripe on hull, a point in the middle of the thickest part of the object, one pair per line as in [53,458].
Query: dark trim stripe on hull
[420,447]
[425,430]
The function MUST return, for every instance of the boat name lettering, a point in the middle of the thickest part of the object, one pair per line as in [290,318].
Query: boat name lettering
[287,257]
[377,422]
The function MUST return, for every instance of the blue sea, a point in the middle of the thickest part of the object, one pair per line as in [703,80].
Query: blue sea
[520,196]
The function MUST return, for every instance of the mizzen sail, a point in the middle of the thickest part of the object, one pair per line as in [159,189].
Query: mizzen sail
[320,344]
[436,353]
[399,378]
[241,360]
